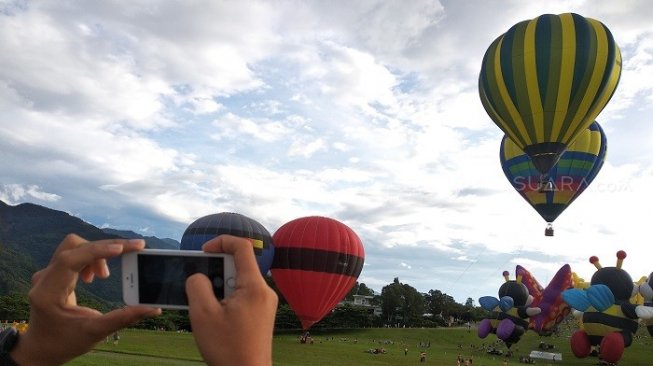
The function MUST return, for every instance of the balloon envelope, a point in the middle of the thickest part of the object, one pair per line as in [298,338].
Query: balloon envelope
[545,81]
[549,299]
[573,173]
[210,226]
[317,261]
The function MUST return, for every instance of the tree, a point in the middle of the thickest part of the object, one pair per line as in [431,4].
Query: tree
[402,304]
[286,318]
[347,316]
[469,303]
[364,290]
[444,306]
[439,303]
[14,307]
[359,289]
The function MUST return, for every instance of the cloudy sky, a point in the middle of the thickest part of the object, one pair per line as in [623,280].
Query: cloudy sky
[146,115]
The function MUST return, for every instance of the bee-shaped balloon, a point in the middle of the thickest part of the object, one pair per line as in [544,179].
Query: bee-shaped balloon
[646,290]
[510,313]
[609,319]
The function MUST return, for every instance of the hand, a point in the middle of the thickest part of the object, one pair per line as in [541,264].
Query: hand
[236,330]
[59,329]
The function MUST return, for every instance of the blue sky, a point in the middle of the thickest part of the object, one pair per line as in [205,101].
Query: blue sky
[146,115]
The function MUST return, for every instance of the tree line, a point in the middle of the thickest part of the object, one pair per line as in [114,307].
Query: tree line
[400,304]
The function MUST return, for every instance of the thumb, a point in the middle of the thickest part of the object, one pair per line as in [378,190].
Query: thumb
[121,318]
[201,299]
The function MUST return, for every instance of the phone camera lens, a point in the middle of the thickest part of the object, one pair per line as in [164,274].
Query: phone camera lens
[218,282]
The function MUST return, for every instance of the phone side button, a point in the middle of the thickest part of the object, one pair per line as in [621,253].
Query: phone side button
[231,282]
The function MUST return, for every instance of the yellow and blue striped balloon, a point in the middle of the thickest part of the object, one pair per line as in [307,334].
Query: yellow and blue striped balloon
[546,80]
[572,174]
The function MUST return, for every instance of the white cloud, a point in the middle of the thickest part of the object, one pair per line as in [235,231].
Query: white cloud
[149,115]
[306,148]
[203,105]
[16,193]
[231,126]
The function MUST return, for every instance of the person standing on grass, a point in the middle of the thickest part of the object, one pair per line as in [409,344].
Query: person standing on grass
[422,357]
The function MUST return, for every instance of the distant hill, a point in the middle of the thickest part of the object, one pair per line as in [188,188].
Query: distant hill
[29,233]
[150,241]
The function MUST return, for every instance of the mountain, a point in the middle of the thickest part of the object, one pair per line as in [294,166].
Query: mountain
[150,241]
[29,234]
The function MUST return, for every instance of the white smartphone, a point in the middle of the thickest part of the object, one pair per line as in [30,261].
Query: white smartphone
[157,277]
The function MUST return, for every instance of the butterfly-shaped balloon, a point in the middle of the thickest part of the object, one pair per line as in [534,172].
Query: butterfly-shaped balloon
[549,299]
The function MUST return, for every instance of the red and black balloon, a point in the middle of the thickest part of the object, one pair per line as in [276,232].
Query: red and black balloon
[317,261]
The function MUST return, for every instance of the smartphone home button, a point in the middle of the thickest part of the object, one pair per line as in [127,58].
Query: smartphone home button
[231,282]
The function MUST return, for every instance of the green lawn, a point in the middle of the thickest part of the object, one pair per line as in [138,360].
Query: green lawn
[347,347]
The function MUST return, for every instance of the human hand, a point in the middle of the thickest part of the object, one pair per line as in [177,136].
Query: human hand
[59,329]
[238,329]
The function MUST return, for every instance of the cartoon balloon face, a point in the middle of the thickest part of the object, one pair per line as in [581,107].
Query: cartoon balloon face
[609,319]
[646,291]
[509,314]
[317,261]
[570,176]
[546,80]
[211,226]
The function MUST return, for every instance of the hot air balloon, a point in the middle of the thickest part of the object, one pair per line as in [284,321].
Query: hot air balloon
[571,175]
[509,314]
[317,261]
[646,291]
[549,299]
[609,319]
[210,226]
[546,80]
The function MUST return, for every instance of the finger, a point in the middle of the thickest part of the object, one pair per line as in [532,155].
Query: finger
[133,245]
[202,303]
[70,241]
[121,318]
[86,255]
[247,271]
[204,311]
[86,274]
[99,250]
[36,277]
[73,241]
[64,267]
[98,268]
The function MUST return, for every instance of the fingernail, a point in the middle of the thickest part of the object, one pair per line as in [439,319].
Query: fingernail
[136,241]
[106,270]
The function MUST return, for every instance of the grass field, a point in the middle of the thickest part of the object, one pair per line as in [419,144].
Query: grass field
[347,347]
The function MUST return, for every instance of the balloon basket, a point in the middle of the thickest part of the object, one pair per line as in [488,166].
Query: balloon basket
[549,230]
[546,187]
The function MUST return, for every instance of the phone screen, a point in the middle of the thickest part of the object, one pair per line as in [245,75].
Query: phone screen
[162,278]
